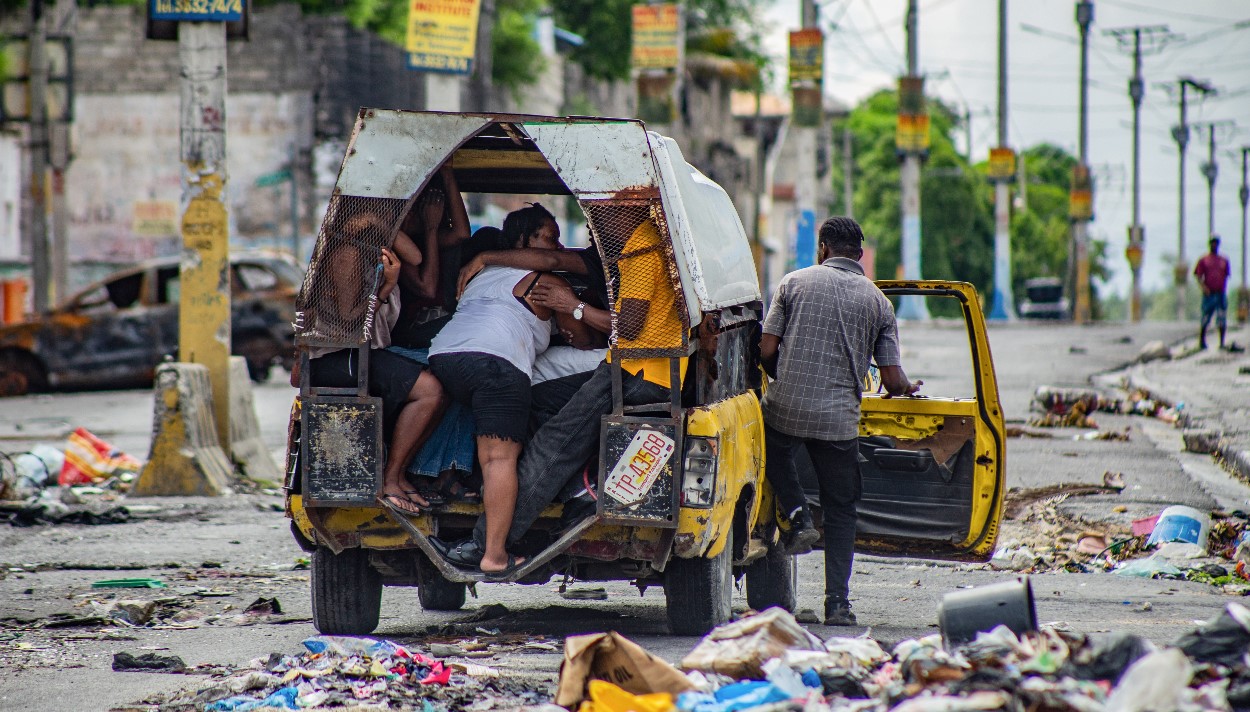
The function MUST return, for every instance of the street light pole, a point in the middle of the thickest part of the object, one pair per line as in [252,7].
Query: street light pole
[1157,37]
[1002,307]
[1243,295]
[40,250]
[1081,181]
[1181,134]
[912,307]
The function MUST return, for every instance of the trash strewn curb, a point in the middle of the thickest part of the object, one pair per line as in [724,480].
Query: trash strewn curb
[1236,459]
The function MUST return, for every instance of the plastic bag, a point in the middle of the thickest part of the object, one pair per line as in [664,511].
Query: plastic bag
[1156,682]
[1148,568]
[1224,639]
[89,459]
[606,697]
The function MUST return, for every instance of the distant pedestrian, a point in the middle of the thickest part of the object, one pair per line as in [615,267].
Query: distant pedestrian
[825,324]
[1212,271]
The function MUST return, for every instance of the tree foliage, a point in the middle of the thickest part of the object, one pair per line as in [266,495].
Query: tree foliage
[722,27]
[957,199]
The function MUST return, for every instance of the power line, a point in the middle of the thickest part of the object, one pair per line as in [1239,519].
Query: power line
[1161,11]
[880,28]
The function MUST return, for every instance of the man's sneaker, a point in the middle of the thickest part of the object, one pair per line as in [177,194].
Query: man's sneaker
[838,612]
[801,535]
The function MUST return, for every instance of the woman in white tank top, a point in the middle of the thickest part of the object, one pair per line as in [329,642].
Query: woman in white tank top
[484,358]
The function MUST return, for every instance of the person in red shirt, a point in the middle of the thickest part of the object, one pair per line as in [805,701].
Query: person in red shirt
[1212,272]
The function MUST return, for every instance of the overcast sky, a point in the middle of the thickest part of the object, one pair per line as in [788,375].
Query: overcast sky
[865,46]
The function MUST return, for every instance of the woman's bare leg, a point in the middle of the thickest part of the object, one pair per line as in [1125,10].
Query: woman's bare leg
[416,421]
[499,487]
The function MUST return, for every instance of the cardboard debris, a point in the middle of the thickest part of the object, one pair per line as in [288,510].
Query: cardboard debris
[613,657]
[741,648]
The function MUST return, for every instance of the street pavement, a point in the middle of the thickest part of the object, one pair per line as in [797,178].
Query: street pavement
[239,545]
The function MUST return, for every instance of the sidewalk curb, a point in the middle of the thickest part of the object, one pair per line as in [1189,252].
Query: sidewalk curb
[1235,460]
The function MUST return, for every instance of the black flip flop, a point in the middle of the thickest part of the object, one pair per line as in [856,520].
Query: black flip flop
[504,573]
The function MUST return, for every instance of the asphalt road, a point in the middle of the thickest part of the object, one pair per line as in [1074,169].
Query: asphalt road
[237,548]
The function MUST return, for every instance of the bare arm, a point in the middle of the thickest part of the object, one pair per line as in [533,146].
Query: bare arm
[415,270]
[896,382]
[561,299]
[770,345]
[532,259]
[579,334]
[459,230]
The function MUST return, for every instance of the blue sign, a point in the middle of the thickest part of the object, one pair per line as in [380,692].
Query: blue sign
[196,10]
[805,239]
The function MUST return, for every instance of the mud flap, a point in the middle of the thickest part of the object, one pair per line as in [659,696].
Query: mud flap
[341,450]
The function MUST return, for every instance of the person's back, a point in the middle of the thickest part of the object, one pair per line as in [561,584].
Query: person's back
[824,325]
[490,320]
[833,316]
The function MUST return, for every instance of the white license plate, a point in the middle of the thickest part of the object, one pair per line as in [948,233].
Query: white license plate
[639,466]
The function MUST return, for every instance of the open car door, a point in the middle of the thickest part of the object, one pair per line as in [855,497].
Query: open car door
[933,466]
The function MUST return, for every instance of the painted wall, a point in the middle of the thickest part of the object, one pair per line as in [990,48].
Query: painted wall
[126,155]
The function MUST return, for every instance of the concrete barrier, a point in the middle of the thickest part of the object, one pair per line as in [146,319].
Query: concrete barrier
[186,457]
[246,447]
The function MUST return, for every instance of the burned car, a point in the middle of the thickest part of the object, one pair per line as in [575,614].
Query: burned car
[114,333]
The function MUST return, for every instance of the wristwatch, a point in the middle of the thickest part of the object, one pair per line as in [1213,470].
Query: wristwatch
[579,310]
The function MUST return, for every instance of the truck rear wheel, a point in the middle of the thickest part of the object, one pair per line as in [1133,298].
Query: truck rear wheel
[699,593]
[435,591]
[346,592]
[770,581]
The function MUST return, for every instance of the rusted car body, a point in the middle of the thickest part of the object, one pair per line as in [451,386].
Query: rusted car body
[115,333]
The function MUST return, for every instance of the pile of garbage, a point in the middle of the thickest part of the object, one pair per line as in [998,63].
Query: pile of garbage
[337,672]
[1180,543]
[1073,407]
[768,662]
[50,484]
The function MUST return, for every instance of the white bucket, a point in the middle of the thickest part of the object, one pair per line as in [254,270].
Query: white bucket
[1181,523]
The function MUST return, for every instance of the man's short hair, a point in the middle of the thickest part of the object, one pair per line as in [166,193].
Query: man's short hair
[842,234]
[1215,240]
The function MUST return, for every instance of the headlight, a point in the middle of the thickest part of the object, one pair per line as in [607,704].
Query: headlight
[699,472]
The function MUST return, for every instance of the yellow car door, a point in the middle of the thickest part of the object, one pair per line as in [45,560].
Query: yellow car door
[933,467]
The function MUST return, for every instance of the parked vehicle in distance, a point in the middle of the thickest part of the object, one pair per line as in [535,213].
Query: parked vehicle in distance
[114,333]
[1044,299]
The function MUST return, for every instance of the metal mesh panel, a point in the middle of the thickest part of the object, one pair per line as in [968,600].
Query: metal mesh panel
[339,296]
[649,316]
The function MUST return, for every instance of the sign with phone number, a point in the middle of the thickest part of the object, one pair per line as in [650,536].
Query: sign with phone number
[639,467]
[197,10]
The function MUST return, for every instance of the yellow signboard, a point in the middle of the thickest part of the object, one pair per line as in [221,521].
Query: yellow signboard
[656,29]
[155,218]
[442,35]
[807,55]
[1002,163]
[912,133]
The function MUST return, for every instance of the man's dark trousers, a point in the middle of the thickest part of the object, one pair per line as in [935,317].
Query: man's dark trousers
[838,475]
[559,450]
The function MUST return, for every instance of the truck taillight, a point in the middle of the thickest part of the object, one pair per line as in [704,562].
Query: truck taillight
[699,472]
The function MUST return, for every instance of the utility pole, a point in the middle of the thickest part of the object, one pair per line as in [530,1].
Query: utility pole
[848,170]
[1081,200]
[1003,307]
[1156,36]
[40,249]
[806,119]
[204,308]
[1243,294]
[1181,134]
[913,129]
[1211,169]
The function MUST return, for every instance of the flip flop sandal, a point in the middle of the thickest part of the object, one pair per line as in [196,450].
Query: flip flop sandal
[456,492]
[504,573]
[401,504]
[434,498]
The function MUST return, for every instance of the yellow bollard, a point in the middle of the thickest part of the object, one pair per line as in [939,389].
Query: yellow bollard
[186,458]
